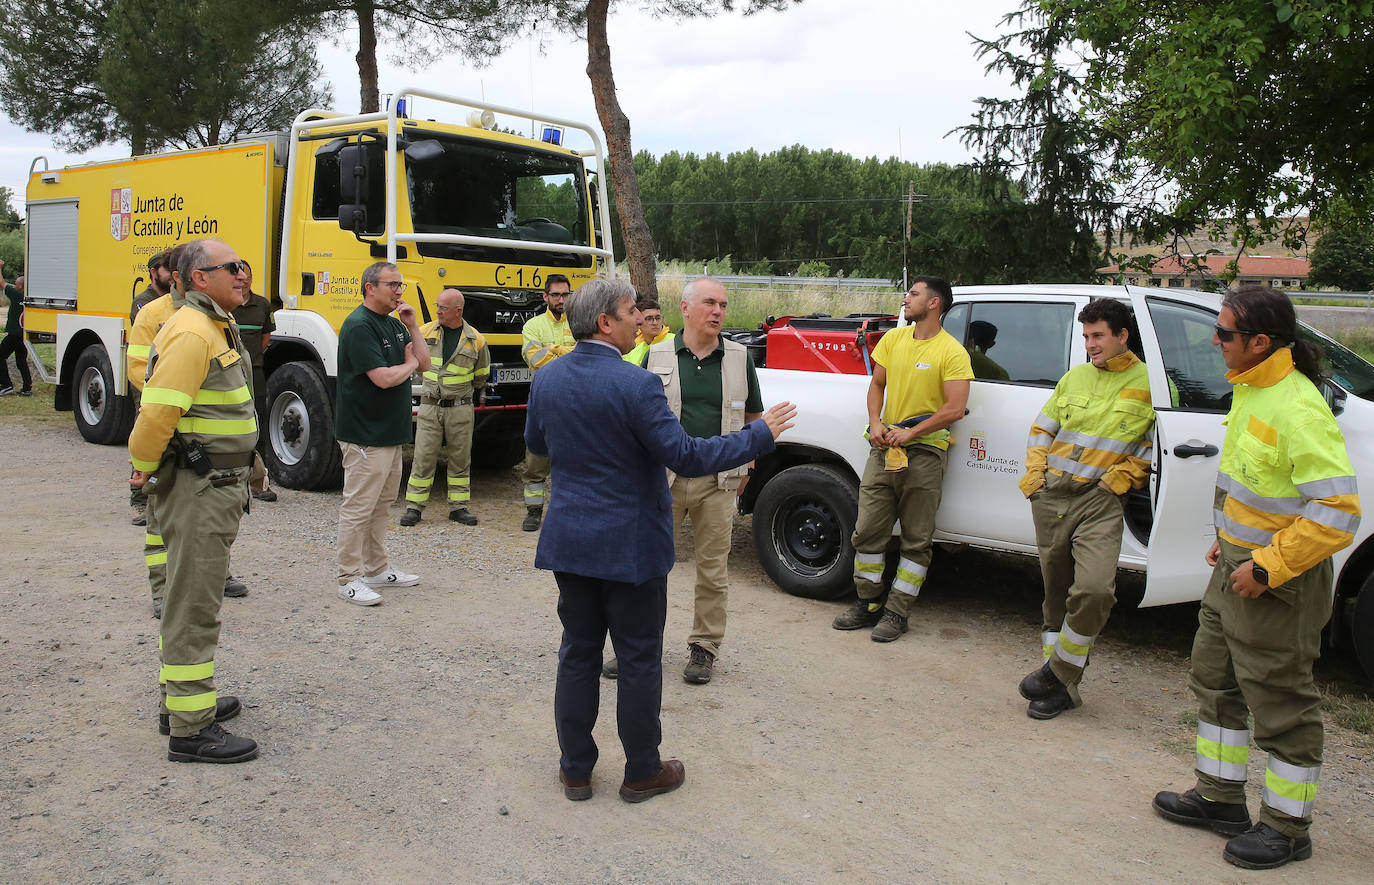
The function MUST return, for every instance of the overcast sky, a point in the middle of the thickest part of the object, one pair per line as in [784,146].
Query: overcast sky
[868,77]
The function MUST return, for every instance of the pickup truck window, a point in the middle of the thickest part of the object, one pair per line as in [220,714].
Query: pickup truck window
[1347,368]
[1020,342]
[1191,361]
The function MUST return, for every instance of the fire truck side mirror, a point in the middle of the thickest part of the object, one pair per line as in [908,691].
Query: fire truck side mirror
[353,188]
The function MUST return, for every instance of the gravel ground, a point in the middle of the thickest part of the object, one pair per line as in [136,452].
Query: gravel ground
[414,741]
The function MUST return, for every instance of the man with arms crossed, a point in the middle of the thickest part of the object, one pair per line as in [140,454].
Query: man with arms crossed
[607,428]
[1090,445]
[919,388]
[377,355]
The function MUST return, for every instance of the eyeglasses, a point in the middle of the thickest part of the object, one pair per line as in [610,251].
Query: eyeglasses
[649,319]
[234,267]
[396,285]
[1225,334]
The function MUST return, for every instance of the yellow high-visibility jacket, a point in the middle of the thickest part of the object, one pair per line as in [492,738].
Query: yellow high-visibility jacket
[467,367]
[1285,487]
[200,385]
[545,339]
[146,325]
[1098,426]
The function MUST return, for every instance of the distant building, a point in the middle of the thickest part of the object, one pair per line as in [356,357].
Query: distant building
[1177,272]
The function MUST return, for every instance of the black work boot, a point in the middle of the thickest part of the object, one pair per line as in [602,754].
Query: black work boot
[863,613]
[1263,848]
[410,517]
[461,514]
[533,517]
[1195,810]
[700,662]
[234,588]
[211,744]
[1051,705]
[889,627]
[1040,683]
[226,707]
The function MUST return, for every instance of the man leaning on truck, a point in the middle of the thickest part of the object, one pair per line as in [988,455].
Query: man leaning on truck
[919,388]
[546,337]
[1090,445]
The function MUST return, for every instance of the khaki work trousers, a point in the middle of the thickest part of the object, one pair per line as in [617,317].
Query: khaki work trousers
[155,551]
[534,471]
[372,477]
[199,517]
[712,512]
[911,495]
[1255,656]
[433,426]
[1078,533]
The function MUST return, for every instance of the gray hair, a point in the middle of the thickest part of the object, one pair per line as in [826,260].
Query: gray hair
[596,297]
[373,274]
[193,256]
[689,291]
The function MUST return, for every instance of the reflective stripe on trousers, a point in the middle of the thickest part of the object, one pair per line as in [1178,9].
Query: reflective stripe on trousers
[1223,752]
[1291,788]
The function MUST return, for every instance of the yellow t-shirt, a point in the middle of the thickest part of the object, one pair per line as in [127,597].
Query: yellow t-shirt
[916,376]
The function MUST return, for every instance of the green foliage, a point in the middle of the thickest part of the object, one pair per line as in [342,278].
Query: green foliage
[1344,257]
[12,252]
[813,269]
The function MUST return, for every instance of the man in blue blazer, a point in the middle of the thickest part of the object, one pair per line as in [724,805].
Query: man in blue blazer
[608,535]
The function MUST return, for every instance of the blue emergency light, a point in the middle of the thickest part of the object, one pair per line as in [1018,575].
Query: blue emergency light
[552,134]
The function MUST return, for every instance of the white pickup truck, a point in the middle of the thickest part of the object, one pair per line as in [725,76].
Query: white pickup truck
[804,496]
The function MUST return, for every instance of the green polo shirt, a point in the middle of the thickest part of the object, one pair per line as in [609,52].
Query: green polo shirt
[701,386]
[365,414]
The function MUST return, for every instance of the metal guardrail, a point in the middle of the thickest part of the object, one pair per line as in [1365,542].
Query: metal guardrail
[1354,297]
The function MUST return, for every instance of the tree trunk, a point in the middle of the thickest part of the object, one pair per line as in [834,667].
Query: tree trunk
[369,95]
[634,229]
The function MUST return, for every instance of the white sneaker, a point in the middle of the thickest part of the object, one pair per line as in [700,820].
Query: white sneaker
[358,593]
[392,578]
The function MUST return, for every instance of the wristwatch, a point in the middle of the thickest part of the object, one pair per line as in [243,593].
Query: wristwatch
[1260,573]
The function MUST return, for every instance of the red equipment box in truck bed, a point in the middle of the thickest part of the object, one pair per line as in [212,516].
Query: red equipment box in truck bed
[842,345]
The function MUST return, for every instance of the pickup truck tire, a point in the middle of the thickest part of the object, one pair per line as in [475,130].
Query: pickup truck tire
[301,450]
[803,523]
[1362,627]
[103,417]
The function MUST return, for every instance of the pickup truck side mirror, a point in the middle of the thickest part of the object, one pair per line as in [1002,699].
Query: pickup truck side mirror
[1335,396]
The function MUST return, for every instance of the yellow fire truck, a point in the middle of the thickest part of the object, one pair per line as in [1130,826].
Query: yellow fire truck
[451,204]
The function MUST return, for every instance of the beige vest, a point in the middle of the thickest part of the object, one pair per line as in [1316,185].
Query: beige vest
[734,376]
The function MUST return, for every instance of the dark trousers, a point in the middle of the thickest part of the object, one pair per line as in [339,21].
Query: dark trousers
[14,344]
[634,615]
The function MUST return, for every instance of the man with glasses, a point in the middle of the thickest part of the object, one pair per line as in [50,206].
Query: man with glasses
[254,317]
[547,337]
[651,330]
[377,355]
[192,448]
[461,364]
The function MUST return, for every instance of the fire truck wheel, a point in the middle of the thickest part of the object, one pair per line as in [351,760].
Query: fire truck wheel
[803,521]
[102,417]
[301,450]
[1362,627]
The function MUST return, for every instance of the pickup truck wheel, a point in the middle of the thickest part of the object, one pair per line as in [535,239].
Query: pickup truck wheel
[301,450]
[102,417]
[803,522]
[1362,627]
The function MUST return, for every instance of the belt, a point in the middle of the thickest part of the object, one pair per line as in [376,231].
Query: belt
[446,403]
[221,462]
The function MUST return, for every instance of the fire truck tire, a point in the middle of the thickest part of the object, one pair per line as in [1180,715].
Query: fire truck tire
[102,417]
[803,521]
[301,450]
[1362,627]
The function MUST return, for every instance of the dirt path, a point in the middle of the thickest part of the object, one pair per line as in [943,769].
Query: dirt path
[414,741]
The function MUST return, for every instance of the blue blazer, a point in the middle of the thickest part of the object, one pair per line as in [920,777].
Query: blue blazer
[607,429]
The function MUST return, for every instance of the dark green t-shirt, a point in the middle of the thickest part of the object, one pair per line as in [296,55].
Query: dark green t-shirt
[701,386]
[16,298]
[254,317]
[364,414]
[451,339]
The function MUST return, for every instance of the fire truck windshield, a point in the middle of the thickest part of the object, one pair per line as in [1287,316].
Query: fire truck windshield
[502,191]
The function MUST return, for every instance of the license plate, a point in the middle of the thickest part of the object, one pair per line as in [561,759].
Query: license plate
[513,375]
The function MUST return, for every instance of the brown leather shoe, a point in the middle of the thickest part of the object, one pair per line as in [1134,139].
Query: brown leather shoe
[576,790]
[670,776]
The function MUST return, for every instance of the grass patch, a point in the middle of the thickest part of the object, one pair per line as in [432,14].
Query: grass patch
[1351,710]
[39,406]
[1359,340]
[1188,718]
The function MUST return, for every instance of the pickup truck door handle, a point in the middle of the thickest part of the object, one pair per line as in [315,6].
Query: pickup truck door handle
[1195,447]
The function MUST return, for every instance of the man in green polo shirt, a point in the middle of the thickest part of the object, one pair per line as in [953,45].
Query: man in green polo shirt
[377,355]
[712,388]
[254,318]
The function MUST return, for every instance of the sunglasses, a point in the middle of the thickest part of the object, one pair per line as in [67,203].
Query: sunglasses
[234,267]
[1225,334]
